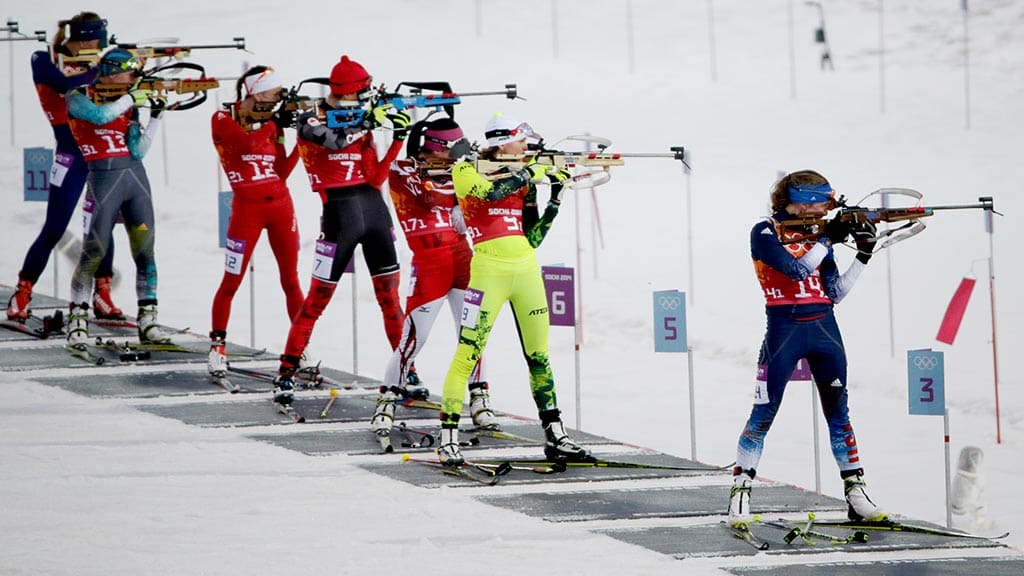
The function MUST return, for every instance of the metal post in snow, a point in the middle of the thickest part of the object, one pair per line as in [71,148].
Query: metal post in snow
[630,44]
[252,302]
[355,323]
[967,71]
[792,52]
[881,59]
[693,405]
[689,225]
[163,151]
[888,283]
[554,28]
[992,306]
[949,504]
[817,440]
[578,327]
[711,40]
[10,71]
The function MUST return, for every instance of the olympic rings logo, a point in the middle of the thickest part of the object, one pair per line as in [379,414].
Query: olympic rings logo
[669,302]
[38,158]
[926,362]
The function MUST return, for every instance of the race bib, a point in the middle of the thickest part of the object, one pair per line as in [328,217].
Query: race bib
[761,385]
[234,255]
[471,308]
[61,164]
[323,261]
[87,207]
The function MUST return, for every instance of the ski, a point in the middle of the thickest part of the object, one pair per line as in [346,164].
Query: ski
[561,466]
[894,526]
[743,533]
[82,352]
[481,476]
[224,383]
[287,410]
[37,327]
[808,534]
[414,403]
[499,434]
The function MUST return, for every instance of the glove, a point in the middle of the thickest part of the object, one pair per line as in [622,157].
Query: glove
[157,105]
[536,172]
[556,195]
[864,235]
[399,124]
[141,96]
[837,231]
[461,150]
[559,175]
[283,118]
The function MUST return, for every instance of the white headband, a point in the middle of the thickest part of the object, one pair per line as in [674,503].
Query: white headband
[266,80]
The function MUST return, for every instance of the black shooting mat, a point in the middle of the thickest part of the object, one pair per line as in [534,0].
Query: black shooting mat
[429,476]
[657,502]
[363,441]
[248,412]
[999,566]
[42,354]
[132,384]
[714,540]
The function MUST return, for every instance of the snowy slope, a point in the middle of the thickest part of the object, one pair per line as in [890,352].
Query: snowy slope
[188,490]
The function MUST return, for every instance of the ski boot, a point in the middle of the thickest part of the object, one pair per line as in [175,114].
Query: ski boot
[78,325]
[217,361]
[102,306]
[739,500]
[480,407]
[384,416]
[17,306]
[149,331]
[559,447]
[860,507]
[449,453]
[414,388]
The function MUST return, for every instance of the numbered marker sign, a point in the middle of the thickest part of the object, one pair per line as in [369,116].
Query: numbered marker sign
[559,283]
[927,382]
[670,321]
[38,164]
[224,214]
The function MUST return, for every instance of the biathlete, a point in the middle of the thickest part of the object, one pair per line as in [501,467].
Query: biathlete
[504,269]
[113,143]
[801,284]
[249,137]
[344,170]
[85,31]
[435,231]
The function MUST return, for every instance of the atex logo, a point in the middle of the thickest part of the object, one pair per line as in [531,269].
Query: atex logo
[926,362]
[670,302]
[539,311]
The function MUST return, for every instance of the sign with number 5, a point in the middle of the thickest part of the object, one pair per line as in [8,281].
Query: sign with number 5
[927,382]
[670,321]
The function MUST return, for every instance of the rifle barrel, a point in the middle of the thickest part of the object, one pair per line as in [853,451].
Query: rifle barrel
[982,205]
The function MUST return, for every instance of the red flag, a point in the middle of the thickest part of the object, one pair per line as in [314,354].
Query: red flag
[955,311]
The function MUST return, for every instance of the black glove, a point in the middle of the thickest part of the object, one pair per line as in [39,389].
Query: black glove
[283,118]
[864,235]
[837,231]
[157,104]
[460,150]
[556,194]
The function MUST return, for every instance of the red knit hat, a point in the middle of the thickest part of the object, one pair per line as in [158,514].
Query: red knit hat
[349,77]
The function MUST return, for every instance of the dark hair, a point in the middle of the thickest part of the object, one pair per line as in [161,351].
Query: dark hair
[60,38]
[780,192]
[240,83]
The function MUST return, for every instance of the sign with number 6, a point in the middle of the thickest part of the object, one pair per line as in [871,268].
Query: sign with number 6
[560,285]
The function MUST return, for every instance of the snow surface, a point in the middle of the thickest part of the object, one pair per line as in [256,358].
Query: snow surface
[96,487]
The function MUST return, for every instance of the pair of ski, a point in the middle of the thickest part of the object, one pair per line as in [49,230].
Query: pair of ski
[806,533]
[472,471]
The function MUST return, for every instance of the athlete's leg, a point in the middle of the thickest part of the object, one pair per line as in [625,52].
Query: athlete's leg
[780,351]
[140,223]
[381,259]
[283,233]
[827,359]
[103,185]
[244,230]
[530,306]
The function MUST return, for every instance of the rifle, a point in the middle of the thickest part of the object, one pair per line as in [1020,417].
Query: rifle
[597,165]
[440,97]
[12,29]
[92,57]
[911,215]
[195,88]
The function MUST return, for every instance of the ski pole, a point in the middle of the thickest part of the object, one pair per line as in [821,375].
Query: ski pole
[330,402]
